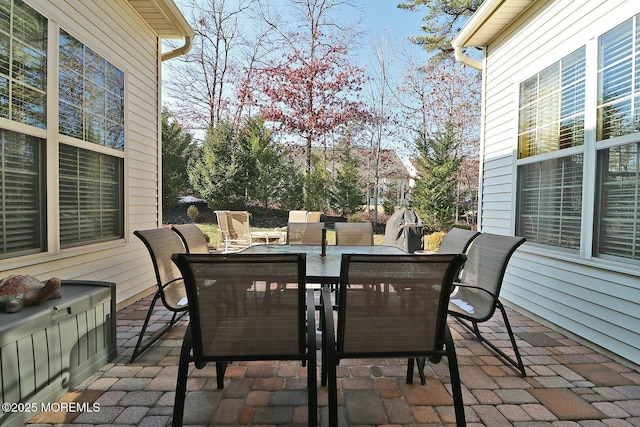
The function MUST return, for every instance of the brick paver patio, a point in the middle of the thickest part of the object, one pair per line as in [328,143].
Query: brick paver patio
[567,385]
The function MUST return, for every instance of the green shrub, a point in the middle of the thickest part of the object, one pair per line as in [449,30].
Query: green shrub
[193,213]
[388,207]
[355,218]
[434,240]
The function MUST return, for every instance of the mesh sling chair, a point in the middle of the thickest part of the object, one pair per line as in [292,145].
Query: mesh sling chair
[476,296]
[161,244]
[304,233]
[391,306]
[246,307]
[457,241]
[354,233]
[192,237]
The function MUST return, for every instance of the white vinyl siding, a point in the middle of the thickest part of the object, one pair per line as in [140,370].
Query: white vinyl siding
[596,299]
[116,32]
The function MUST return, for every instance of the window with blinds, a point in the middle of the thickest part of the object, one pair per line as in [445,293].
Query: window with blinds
[550,201]
[551,119]
[618,222]
[91,107]
[23,64]
[91,198]
[617,218]
[619,82]
[22,206]
[551,112]
[91,95]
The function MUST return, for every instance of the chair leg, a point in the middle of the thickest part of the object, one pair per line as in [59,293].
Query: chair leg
[420,362]
[181,383]
[454,374]
[221,368]
[512,338]
[140,348]
[333,394]
[517,364]
[312,380]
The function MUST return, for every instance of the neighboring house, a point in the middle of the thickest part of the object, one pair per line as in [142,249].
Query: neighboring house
[393,175]
[560,159]
[80,136]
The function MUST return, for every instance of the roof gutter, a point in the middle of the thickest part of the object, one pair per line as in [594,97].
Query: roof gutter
[178,51]
[469,30]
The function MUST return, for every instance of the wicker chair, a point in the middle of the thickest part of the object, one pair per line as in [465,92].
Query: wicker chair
[246,307]
[304,233]
[161,244]
[354,233]
[391,306]
[476,296]
[193,238]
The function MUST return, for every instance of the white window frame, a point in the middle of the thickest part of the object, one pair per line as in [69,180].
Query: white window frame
[53,138]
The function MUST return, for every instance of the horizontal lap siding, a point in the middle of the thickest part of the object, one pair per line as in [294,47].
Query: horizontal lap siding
[582,296]
[114,30]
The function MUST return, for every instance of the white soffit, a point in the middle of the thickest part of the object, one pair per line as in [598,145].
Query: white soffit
[164,17]
[490,19]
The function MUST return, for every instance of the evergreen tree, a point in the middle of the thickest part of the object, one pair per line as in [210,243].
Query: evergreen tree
[433,196]
[316,186]
[219,170]
[443,21]
[176,145]
[346,194]
[269,175]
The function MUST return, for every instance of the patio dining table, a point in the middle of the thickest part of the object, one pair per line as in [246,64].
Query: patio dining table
[323,269]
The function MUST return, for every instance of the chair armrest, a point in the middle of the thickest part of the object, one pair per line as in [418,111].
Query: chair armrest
[328,337]
[311,321]
[477,288]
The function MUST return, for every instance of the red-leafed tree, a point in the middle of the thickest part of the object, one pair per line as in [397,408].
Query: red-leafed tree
[312,96]
[314,88]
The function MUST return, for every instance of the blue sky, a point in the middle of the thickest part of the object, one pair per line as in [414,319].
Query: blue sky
[381,14]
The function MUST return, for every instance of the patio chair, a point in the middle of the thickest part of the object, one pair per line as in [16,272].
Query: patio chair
[476,295]
[304,233]
[457,241]
[161,244]
[354,233]
[235,232]
[192,237]
[391,306]
[313,216]
[246,307]
[297,216]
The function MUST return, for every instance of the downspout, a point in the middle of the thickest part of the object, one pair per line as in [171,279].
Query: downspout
[178,51]
[461,57]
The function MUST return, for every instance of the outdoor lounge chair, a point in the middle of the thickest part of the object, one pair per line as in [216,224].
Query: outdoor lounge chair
[297,216]
[354,233]
[161,244]
[313,216]
[476,296]
[235,232]
[246,307]
[192,237]
[304,233]
[391,306]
